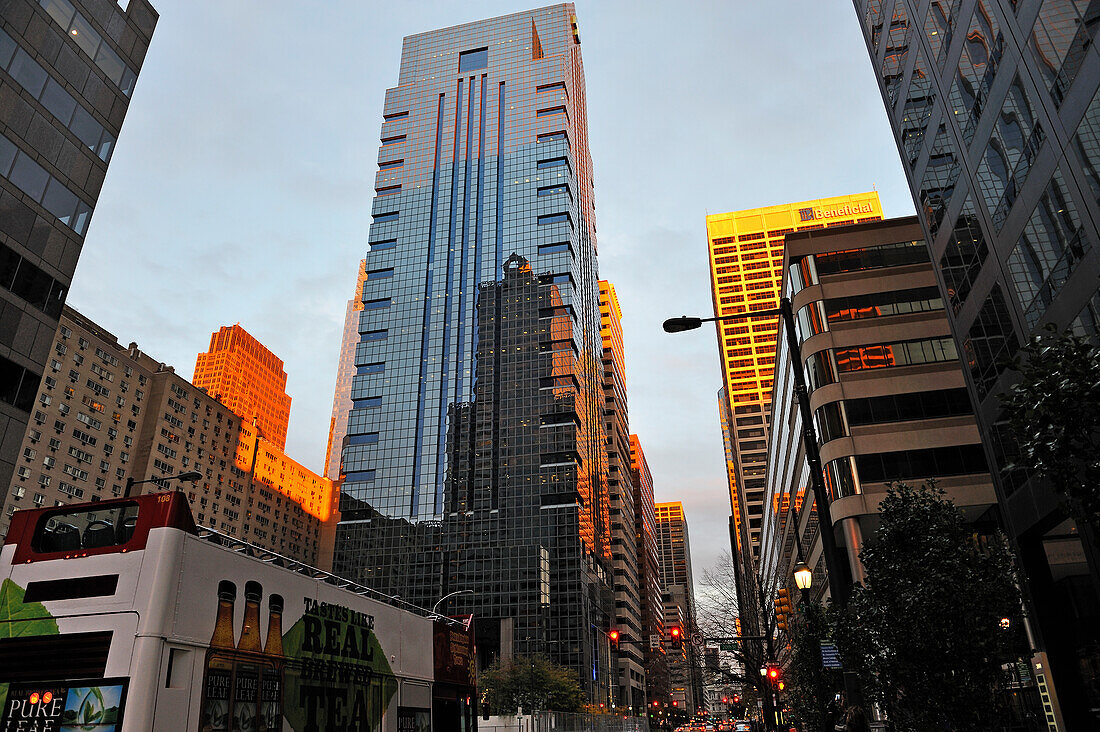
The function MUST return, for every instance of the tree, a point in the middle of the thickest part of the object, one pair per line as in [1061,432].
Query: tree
[533,683]
[718,610]
[810,686]
[1054,411]
[924,633]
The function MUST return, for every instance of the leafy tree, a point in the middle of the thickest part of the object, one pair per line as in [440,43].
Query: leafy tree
[810,686]
[924,633]
[533,683]
[1054,411]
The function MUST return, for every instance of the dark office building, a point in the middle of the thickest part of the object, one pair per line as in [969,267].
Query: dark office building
[474,456]
[996,112]
[67,70]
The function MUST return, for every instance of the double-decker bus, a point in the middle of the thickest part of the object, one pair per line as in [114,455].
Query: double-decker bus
[122,616]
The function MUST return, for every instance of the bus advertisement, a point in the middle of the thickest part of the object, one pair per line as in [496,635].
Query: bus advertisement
[119,616]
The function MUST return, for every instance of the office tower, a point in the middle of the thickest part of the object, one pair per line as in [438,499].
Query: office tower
[649,575]
[746,259]
[248,378]
[995,106]
[887,388]
[105,413]
[67,70]
[626,571]
[473,458]
[678,598]
[345,375]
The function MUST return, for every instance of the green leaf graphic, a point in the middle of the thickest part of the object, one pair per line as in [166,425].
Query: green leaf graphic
[353,693]
[19,619]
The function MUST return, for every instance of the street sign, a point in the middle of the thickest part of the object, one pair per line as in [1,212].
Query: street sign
[654,642]
[727,646]
[830,657]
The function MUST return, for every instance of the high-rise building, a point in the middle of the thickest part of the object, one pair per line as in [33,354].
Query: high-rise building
[678,598]
[649,575]
[474,450]
[67,70]
[746,261]
[106,413]
[238,370]
[886,385]
[626,571]
[995,107]
[345,375]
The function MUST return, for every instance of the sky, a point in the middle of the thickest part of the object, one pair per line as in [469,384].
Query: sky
[240,190]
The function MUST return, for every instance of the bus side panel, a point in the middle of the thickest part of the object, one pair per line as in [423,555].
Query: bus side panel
[277,643]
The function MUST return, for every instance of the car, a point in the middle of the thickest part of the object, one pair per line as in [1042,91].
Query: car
[742,726]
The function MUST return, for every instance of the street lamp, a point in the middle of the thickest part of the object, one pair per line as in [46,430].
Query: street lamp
[448,596]
[190,476]
[803,579]
[837,587]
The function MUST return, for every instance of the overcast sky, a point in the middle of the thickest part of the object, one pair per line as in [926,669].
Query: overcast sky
[241,187]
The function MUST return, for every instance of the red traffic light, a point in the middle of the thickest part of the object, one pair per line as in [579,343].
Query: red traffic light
[675,631]
[736,699]
[773,672]
[725,700]
[613,635]
[675,703]
[655,702]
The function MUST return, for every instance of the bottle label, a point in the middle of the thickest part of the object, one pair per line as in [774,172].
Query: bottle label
[245,694]
[216,705]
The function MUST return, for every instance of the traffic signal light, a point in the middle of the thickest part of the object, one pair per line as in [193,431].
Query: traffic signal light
[736,698]
[782,608]
[613,636]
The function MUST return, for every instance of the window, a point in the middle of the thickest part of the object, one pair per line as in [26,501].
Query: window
[856,260]
[906,353]
[898,302]
[918,464]
[80,31]
[383,302]
[473,60]
[33,180]
[910,406]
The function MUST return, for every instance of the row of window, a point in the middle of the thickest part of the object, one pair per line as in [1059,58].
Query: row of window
[844,475]
[31,283]
[822,367]
[37,81]
[834,419]
[77,27]
[36,182]
[809,269]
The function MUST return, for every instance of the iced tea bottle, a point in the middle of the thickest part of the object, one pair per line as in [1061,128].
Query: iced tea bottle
[271,686]
[246,681]
[218,678]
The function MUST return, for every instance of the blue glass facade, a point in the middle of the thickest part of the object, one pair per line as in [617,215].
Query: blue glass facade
[473,458]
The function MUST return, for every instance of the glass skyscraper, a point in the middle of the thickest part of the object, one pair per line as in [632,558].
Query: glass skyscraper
[473,458]
[995,106]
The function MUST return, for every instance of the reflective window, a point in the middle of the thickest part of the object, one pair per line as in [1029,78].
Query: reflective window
[1015,141]
[964,255]
[840,478]
[1059,41]
[18,385]
[897,49]
[982,49]
[907,407]
[1087,144]
[857,260]
[80,30]
[872,21]
[1050,247]
[830,423]
[917,111]
[991,342]
[940,175]
[897,302]
[921,464]
[819,370]
[33,180]
[55,99]
[810,320]
[885,355]
[473,60]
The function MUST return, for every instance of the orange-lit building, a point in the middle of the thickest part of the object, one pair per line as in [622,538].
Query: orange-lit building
[746,260]
[249,379]
[345,374]
[244,375]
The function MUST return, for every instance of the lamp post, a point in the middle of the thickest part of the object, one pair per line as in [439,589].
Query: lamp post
[448,596]
[190,476]
[804,579]
[837,587]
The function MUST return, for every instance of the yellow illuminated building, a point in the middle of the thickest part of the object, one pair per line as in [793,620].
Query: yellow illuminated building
[746,261]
